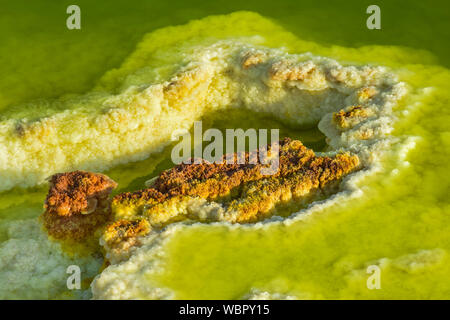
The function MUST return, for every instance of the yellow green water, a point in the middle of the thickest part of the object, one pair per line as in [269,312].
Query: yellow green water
[323,257]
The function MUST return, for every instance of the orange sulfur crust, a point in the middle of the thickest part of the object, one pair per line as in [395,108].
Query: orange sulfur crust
[242,191]
[260,197]
[77,204]
[344,118]
[240,188]
[211,180]
[123,230]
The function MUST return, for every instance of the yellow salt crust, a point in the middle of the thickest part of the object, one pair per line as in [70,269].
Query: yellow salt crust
[301,89]
[98,131]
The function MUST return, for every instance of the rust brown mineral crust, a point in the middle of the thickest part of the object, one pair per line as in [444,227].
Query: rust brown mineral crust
[77,204]
[240,188]
[212,180]
[123,230]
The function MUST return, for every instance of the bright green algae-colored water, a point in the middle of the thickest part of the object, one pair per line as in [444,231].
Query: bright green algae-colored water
[323,257]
